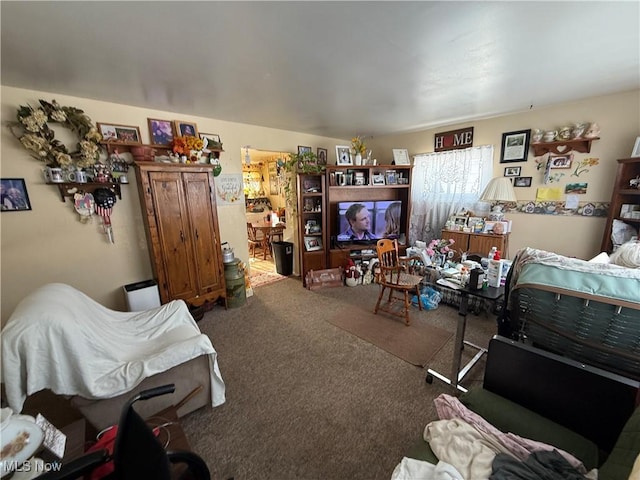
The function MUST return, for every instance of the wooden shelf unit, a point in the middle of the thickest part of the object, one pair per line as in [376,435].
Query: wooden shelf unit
[311,190]
[628,169]
[337,256]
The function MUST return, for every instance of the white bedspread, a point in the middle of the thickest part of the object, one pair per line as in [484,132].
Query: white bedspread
[61,339]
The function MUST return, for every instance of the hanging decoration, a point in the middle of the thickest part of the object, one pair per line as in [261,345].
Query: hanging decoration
[105,200]
[35,134]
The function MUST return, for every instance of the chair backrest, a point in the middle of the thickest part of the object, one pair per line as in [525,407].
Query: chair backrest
[387,252]
[251,232]
[389,266]
[137,452]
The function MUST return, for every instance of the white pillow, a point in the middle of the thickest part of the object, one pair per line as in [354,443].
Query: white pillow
[602,257]
[627,255]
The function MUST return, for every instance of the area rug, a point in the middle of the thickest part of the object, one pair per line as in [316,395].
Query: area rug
[416,344]
[264,278]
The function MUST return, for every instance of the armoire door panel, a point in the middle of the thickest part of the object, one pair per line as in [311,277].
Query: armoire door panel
[203,227]
[173,234]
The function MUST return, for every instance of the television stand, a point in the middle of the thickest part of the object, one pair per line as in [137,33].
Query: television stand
[339,256]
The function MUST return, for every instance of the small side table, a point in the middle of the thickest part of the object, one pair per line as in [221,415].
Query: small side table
[457,374]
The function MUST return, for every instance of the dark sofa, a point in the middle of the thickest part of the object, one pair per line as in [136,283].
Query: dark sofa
[585,411]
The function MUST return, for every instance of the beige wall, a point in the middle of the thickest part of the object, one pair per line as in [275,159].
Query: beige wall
[49,244]
[619,118]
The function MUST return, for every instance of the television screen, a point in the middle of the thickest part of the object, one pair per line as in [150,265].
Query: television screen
[369,220]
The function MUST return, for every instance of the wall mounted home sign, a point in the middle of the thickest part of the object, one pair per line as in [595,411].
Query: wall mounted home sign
[454,139]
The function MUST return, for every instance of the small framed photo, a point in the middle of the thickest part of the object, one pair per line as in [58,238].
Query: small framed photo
[343,156]
[512,171]
[120,133]
[473,221]
[184,129]
[211,141]
[14,195]
[160,131]
[377,179]
[302,150]
[392,178]
[312,243]
[636,148]
[522,182]
[322,156]
[560,161]
[311,185]
[459,221]
[401,156]
[515,146]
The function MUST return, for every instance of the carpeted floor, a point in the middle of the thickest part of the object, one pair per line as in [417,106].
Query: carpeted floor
[308,400]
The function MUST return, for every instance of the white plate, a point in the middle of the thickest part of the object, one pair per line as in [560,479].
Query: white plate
[13,434]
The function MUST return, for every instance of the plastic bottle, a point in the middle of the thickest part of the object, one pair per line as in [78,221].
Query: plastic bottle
[496,256]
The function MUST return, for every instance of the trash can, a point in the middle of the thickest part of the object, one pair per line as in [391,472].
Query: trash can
[234,279]
[283,255]
[142,295]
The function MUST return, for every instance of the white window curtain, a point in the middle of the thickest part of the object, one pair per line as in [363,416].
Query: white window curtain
[442,184]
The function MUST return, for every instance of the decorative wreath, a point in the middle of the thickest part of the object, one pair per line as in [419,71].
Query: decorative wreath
[36,136]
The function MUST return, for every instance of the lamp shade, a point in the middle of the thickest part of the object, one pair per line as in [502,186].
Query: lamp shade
[499,189]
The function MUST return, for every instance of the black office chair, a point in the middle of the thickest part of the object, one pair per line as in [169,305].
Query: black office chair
[137,453]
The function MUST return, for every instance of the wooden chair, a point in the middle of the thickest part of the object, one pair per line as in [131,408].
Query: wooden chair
[395,275]
[257,240]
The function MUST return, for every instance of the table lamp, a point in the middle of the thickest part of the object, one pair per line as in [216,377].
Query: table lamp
[499,189]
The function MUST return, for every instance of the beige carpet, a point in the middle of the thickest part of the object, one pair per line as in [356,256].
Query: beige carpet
[416,344]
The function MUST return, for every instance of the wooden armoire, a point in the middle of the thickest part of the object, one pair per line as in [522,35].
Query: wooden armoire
[181,221]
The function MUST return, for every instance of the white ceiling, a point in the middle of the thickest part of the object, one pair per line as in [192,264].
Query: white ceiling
[334,69]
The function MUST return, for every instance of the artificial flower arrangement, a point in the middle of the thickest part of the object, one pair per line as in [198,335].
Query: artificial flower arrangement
[184,145]
[441,246]
[34,133]
[358,146]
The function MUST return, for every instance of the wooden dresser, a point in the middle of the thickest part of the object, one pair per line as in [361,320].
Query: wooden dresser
[477,243]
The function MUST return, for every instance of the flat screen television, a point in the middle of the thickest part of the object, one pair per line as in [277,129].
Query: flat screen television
[373,220]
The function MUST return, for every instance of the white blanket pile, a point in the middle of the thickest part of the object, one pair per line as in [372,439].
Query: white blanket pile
[59,338]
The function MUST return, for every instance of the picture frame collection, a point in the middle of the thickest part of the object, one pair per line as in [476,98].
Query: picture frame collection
[161,133]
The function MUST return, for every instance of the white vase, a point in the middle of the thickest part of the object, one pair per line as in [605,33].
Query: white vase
[358,159]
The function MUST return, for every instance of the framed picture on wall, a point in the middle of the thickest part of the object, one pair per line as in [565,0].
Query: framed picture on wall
[14,195]
[515,146]
[512,171]
[160,131]
[560,161]
[120,133]
[322,156]
[522,182]
[184,129]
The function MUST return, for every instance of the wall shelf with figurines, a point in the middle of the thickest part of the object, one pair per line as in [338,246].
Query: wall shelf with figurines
[69,189]
[577,137]
[582,145]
